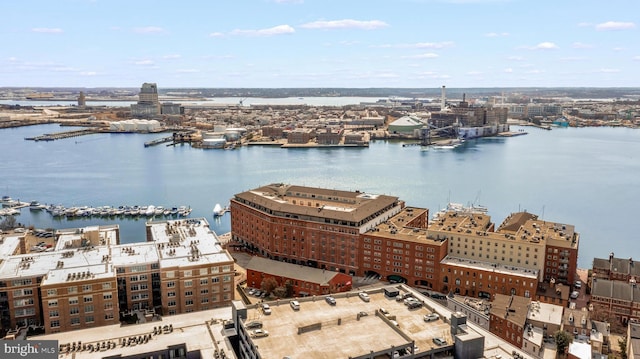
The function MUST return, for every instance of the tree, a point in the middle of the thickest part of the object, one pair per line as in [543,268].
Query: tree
[9,222]
[280,292]
[622,344]
[563,339]
[268,284]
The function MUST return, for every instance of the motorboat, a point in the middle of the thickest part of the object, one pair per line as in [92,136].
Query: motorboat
[159,211]
[36,206]
[218,210]
[151,210]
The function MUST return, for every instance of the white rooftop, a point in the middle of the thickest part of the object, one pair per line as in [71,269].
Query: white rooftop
[491,267]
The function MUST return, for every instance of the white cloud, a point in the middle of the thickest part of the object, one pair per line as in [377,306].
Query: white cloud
[216,34]
[580,45]
[13,59]
[496,34]
[143,62]
[184,71]
[276,30]
[615,25]
[474,73]
[172,56]
[346,24]
[542,46]
[637,58]
[88,73]
[618,49]
[534,72]
[515,58]
[546,46]
[148,30]
[47,30]
[428,55]
[608,71]
[508,70]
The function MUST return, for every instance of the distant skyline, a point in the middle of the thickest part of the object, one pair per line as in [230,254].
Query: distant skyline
[329,43]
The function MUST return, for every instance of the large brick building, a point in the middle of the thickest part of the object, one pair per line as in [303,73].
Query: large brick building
[361,234]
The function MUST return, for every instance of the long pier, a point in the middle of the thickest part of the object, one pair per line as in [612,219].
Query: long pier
[61,135]
[158,141]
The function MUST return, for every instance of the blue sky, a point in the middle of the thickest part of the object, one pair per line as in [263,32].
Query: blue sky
[313,43]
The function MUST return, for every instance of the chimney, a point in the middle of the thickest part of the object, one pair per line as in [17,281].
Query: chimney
[442,100]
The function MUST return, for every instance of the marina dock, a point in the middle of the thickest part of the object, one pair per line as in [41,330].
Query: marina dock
[61,135]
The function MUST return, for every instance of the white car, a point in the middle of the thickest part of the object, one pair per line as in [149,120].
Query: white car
[295,305]
[364,296]
[575,294]
[266,309]
[259,333]
[431,317]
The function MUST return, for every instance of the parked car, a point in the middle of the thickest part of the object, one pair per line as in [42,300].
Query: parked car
[364,296]
[438,296]
[575,294]
[439,341]
[254,325]
[295,305]
[578,284]
[251,291]
[331,300]
[259,333]
[431,317]
[266,309]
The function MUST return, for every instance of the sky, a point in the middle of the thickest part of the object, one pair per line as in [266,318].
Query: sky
[320,43]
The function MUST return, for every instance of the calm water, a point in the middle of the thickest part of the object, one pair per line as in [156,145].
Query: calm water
[587,177]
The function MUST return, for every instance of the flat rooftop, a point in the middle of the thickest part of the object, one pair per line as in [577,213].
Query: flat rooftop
[311,202]
[201,330]
[340,332]
[491,267]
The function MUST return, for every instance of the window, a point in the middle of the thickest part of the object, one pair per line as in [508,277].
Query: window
[172,303]
[171,284]
[55,324]
[53,303]
[106,285]
[52,292]
[73,300]
[204,281]
[171,294]
[88,308]
[107,296]
[87,298]
[188,293]
[72,290]
[188,283]
[89,319]
[75,321]
[53,314]
[86,288]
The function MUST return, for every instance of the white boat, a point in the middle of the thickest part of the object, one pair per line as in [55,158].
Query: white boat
[36,206]
[159,211]
[151,210]
[218,210]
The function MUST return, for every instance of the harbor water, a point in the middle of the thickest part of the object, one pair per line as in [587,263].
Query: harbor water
[587,177]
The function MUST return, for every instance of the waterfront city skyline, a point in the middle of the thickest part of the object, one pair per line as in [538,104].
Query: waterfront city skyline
[303,43]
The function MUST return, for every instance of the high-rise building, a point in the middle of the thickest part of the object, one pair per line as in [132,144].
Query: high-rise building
[148,104]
